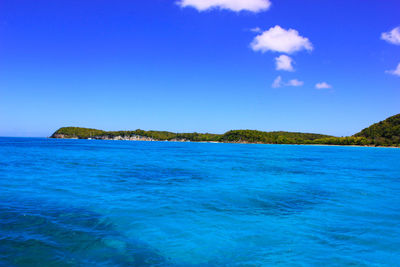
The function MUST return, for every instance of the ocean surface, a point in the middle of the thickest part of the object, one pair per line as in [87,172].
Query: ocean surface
[130,203]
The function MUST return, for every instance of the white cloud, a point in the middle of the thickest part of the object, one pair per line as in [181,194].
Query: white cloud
[284,62]
[323,85]
[294,82]
[396,71]
[278,39]
[279,83]
[256,29]
[393,36]
[234,5]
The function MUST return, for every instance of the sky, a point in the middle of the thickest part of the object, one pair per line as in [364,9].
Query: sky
[322,66]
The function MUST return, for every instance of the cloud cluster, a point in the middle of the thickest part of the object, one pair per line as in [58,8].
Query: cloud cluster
[284,62]
[233,5]
[278,82]
[392,37]
[323,85]
[277,39]
[395,72]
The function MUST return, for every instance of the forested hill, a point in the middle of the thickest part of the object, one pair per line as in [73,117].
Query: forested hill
[236,136]
[384,133]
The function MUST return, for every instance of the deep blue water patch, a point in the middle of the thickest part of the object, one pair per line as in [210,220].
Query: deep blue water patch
[126,203]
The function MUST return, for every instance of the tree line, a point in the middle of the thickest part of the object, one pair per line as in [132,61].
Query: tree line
[384,133]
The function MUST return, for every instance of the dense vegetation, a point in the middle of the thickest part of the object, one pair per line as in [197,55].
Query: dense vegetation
[252,136]
[84,133]
[237,136]
[78,132]
[384,133]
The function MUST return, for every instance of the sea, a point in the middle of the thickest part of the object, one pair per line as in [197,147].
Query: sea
[133,203]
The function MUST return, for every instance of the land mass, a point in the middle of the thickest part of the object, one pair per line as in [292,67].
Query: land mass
[384,133]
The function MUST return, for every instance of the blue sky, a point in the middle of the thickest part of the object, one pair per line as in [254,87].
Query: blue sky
[198,65]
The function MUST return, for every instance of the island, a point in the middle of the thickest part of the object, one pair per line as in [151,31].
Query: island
[384,133]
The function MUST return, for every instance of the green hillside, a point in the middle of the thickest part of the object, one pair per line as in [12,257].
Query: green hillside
[242,136]
[252,136]
[384,133]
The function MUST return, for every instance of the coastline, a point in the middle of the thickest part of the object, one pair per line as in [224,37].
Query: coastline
[382,134]
[146,139]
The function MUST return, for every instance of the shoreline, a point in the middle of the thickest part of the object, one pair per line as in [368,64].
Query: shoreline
[217,142]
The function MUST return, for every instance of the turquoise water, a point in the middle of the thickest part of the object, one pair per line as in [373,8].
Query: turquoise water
[127,203]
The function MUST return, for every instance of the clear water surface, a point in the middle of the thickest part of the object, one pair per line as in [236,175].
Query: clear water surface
[127,203]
